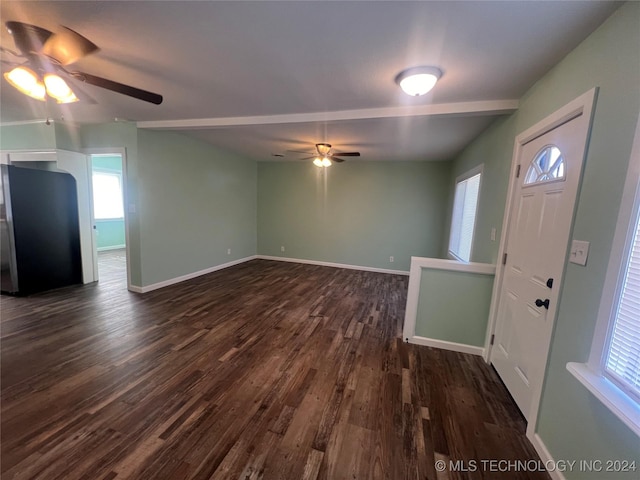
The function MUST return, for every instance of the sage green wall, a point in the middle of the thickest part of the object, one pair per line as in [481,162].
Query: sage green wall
[31,136]
[67,136]
[454,306]
[195,202]
[356,213]
[493,150]
[110,232]
[571,422]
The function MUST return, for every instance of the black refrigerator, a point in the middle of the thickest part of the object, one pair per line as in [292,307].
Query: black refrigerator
[40,237]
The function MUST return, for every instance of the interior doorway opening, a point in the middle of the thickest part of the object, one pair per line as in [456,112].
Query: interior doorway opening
[109,221]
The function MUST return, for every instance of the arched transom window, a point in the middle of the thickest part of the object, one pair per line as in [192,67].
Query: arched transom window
[546,166]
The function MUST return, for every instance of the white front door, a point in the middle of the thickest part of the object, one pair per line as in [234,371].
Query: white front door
[537,244]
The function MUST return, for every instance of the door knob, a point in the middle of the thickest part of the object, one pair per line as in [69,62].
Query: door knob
[550,282]
[541,303]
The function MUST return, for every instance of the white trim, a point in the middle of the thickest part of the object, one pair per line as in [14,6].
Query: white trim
[628,210]
[33,156]
[111,247]
[546,458]
[122,152]
[453,265]
[25,122]
[584,104]
[413,294]
[581,106]
[488,107]
[334,265]
[616,400]
[591,374]
[444,345]
[135,289]
[188,276]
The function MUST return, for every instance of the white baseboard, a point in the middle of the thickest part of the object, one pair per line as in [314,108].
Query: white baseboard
[546,457]
[335,265]
[188,276]
[111,247]
[443,344]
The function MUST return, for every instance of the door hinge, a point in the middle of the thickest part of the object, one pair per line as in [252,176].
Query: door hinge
[493,337]
[504,259]
[518,171]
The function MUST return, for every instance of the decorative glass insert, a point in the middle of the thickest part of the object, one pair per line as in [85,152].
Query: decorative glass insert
[548,165]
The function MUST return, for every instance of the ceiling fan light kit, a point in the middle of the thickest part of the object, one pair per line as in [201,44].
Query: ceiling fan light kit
[325,156]
[57,88]
[322,162]
[417,81]
[26,81]
[46,52]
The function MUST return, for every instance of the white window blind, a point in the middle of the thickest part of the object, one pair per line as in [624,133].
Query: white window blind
[107,195]
[622,359]
[464,217]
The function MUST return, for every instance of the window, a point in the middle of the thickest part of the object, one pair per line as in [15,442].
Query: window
[622,350]
[107,195]
[612,372]
[463,220]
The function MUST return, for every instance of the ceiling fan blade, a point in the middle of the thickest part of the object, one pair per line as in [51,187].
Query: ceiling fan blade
[80,92]
[300,151]
[347,154]
[67,46]
[29,39]
[138,93]
[336,159]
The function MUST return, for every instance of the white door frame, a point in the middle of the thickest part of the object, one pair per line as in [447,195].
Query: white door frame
[583,105]
[125,193]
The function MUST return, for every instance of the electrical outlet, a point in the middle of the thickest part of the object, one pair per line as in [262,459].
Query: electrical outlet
[391,259]
[228,251]
[282,248]
[493,234]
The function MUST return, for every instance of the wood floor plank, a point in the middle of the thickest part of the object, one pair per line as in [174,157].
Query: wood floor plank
[265,370]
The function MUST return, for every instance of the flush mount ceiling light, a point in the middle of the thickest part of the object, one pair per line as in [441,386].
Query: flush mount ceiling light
[418,80]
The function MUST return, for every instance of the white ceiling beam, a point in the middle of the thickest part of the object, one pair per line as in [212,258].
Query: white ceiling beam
[460,109]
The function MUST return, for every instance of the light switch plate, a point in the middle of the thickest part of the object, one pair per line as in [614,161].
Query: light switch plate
[579,252]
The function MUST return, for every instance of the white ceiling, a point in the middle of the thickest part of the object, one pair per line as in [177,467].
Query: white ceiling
[303,72]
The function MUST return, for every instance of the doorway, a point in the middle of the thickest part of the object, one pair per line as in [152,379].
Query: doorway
[109,220]
[547,169]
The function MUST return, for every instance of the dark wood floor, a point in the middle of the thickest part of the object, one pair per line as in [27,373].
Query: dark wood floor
[263,370]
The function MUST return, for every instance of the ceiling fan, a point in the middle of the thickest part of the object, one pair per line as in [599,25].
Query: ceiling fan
[44,54]
[325,155]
